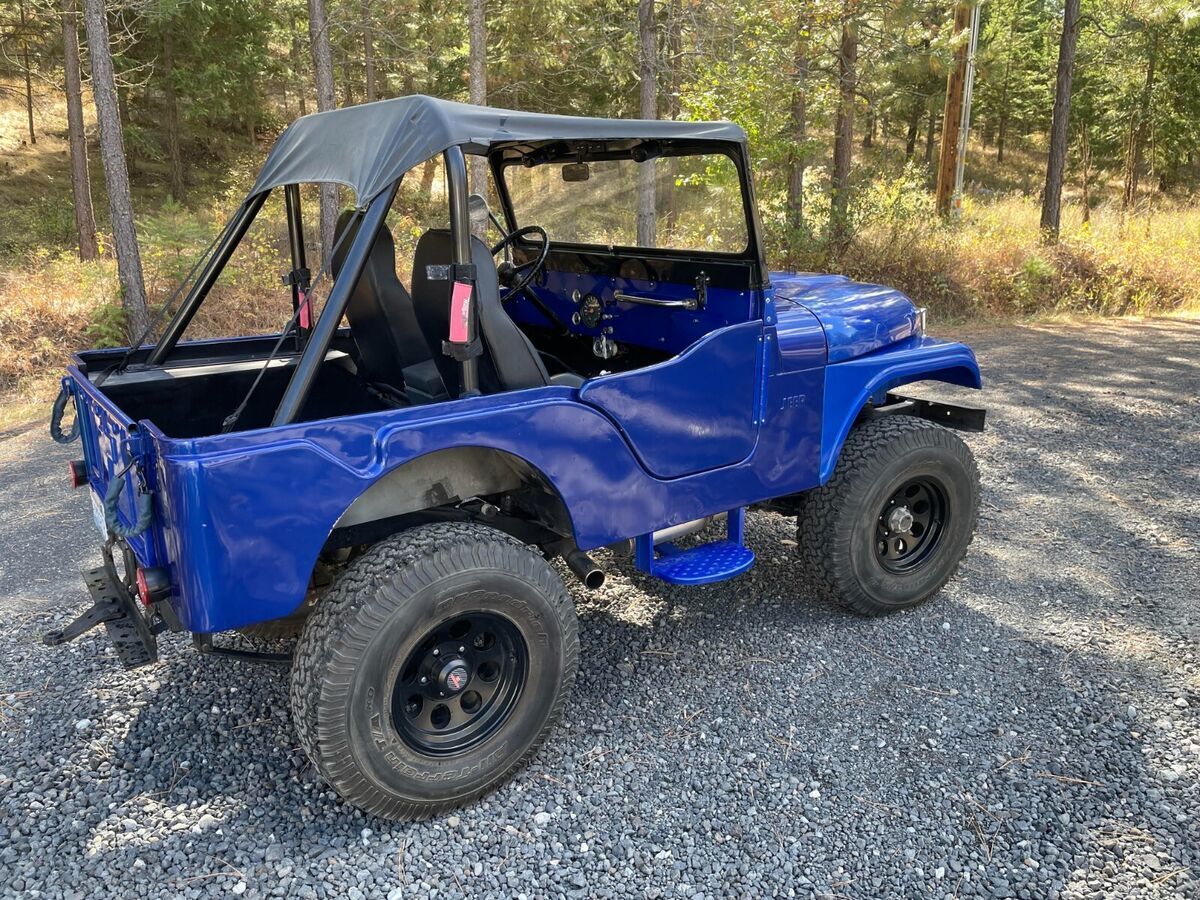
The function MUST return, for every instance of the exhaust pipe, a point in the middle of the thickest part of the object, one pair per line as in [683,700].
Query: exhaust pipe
[585,568]
[683,529]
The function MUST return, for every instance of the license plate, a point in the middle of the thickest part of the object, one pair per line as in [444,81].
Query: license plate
[98,515]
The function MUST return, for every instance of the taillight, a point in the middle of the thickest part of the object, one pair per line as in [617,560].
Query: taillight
[152,585]
[78,470]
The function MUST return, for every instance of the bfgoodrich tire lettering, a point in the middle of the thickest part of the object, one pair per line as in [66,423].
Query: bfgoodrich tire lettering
[350,655]
[838,528]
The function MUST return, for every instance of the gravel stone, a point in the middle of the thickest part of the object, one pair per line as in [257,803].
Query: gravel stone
[1029,734]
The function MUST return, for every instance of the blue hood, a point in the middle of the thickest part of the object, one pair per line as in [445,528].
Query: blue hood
[857,318]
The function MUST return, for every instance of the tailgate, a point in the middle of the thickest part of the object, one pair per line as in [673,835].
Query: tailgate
[110,440]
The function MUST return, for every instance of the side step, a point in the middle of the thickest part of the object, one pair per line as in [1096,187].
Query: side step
[706,564]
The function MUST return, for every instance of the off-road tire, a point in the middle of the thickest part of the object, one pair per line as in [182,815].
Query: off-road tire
[836,528]
[353,644]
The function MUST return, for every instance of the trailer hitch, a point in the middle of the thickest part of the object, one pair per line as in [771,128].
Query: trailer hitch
[114,608]
[98,613]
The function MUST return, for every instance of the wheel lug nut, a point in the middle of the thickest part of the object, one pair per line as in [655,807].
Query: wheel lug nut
[462,649]
[437,652]
[424,680]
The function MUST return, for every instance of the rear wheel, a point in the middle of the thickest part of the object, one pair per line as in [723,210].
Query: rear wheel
[433,669]
[891,526]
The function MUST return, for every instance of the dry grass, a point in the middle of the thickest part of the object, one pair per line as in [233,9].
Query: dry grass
[993,265]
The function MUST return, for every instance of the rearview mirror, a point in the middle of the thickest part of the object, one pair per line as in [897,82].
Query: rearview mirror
[576,172]
[477,206]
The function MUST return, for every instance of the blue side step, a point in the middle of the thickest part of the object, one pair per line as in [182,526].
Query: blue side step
[705,564]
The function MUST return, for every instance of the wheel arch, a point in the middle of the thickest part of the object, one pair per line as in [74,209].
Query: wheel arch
[850,386]
[452,475]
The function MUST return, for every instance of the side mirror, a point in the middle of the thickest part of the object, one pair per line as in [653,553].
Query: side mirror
[576,172]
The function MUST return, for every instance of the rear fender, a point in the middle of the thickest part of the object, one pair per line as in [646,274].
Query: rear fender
[850,385]
[450,476]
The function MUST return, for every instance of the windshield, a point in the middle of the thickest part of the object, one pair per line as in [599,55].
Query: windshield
[697,202]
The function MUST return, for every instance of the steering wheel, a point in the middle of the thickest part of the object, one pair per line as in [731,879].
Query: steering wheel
[516,278]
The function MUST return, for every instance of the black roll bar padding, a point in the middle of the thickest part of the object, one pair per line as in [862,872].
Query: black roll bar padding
[234,233]
[295,223]
[321,337]
[460,234]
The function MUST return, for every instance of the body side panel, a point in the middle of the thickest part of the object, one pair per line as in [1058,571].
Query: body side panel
[251,511]
[695,412]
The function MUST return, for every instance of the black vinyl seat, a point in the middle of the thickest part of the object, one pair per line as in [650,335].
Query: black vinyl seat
[509,361]
[383,322]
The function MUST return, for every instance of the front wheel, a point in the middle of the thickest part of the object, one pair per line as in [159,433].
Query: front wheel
[892,524]
[433,669]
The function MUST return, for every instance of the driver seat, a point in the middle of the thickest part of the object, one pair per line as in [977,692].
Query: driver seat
[383,322]
[509,361]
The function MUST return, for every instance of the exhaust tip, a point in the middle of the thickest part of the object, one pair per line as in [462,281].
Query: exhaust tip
[589,574]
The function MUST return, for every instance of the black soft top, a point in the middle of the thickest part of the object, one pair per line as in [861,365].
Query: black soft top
[367,147]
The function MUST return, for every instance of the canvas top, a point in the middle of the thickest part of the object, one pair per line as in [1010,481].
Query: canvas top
[367,147]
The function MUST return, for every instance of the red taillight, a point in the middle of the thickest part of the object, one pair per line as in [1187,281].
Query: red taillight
[152,585]
[78,470]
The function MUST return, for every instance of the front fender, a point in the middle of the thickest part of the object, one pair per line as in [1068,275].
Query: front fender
[850,385]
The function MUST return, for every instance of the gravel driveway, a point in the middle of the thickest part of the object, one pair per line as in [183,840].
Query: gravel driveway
[1034,732]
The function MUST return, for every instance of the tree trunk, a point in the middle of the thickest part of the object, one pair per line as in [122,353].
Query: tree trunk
[347,81]
[1085,173]
[1057,162]
[174,153]
[798,126]
[914,127]
[322,57]
[477,93]
[930,134]
[297,64]
[1139,127]
[673,80]
[648,72]
[868,139]
[1002,131]
[368,36]
[81,185]
[952,115]
[28,73]
[116,176]
[843,142]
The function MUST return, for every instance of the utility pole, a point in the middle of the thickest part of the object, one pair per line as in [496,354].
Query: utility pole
[964,128]
[952,118]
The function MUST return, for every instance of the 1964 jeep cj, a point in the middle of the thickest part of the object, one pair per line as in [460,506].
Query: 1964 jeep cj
[396,475]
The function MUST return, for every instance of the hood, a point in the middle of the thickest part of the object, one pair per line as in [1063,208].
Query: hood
[857,318]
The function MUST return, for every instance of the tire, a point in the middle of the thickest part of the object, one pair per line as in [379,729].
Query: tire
[848,533]
[353,674]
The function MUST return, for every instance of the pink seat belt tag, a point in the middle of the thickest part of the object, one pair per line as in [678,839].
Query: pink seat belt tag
[460,311]
[305,311]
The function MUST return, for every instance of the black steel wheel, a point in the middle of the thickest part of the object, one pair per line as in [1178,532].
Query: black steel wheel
[460,683]
[433,669]
[911,524]
[890,527]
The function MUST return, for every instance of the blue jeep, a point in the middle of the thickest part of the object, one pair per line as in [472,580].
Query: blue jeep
[394,477]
